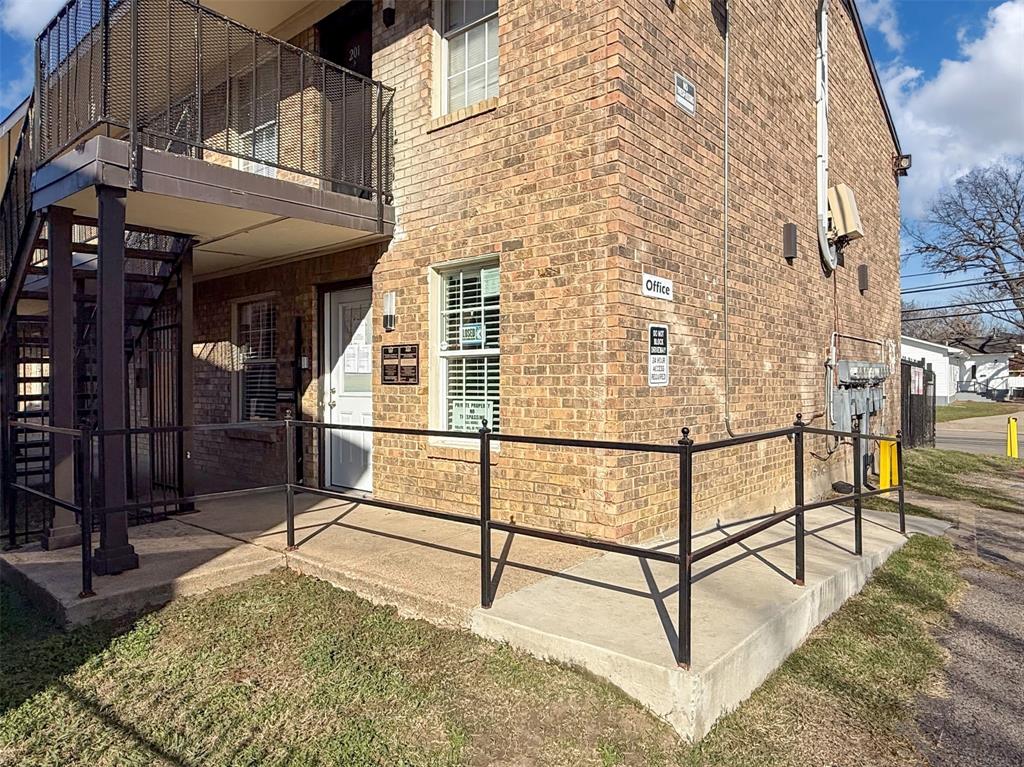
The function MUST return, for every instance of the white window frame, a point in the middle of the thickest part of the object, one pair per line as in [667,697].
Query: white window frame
[438,374]
[238,372]
[441,40]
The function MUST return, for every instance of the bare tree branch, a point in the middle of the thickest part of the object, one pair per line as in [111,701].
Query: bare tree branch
[979,223]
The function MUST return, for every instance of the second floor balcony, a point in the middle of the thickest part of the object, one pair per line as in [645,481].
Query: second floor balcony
[179,100]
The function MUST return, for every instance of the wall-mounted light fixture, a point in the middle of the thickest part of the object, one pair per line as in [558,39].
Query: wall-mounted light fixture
[389,311]
[862,278]
[789,241]
[388,12]
[901,164]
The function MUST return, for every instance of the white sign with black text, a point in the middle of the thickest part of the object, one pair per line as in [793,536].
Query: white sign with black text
[656,287]
[686,94]
[657,357]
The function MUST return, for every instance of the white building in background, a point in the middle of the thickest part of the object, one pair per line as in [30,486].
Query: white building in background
[944,361]
[967,368]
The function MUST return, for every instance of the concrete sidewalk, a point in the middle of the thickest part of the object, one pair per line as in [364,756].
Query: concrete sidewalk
[427,568]
[616,616]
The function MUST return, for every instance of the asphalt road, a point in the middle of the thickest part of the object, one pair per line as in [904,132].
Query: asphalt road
[986,435]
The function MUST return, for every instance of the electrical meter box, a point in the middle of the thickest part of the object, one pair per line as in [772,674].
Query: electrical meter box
[858,391]
[852,373]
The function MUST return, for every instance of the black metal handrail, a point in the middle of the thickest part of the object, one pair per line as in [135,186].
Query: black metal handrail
[175,76]
[16,207]
[684,559]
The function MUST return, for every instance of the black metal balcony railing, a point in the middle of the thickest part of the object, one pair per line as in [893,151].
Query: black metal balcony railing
[175,76]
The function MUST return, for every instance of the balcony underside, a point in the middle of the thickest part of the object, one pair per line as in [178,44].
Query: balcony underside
[241,220]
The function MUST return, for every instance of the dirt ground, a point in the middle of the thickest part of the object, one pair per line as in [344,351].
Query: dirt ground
[977,718]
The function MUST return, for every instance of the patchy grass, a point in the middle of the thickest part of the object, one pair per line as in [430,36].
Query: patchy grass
[846,696]
[286,670]
[989,481]
[958,410]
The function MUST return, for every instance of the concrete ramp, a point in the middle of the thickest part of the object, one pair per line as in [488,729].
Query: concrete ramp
[616,616]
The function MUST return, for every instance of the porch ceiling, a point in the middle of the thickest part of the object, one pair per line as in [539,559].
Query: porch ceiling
[283,19]
[241,220]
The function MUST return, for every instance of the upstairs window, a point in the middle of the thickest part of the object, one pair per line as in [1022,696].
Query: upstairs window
[470,52]
[256,338]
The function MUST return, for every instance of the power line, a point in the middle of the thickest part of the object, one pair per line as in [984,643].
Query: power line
[944,272]
[954,285]
[955,306]
[954,316]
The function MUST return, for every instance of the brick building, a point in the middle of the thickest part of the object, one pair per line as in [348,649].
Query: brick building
[539,162]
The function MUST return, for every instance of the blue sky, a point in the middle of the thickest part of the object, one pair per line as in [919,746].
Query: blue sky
[954,75]
[953,71]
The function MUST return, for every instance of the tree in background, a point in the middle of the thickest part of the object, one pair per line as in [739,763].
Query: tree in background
[943,325]
[978,224]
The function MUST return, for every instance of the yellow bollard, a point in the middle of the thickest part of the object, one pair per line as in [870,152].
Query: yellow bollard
[885,465]
[1011,438]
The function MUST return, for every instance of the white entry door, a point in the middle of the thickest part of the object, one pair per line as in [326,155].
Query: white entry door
[348,390]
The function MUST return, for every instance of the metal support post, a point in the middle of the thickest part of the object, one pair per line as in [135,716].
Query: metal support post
[380,158]
[62,530]
[85,503]
[685,547]
[798,491]
[486,597]
[186,413]
[134,140]
[115,554]
[858,470]
[8,371]
[900,482]
[289,458]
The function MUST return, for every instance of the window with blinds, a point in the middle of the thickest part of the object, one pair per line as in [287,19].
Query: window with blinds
[257,345]
[469,347]
[471,58]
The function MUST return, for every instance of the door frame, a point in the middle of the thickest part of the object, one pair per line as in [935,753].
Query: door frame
[321,353]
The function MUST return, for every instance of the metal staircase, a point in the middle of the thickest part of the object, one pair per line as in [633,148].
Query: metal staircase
[152,261]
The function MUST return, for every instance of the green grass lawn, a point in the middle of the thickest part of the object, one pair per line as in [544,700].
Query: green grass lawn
[287,670]
[990,481]
[957,410]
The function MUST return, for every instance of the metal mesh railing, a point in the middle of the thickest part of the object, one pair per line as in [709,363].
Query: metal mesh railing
[174,76]
[16,203]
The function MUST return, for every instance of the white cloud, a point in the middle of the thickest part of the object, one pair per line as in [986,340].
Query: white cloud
[881,15]
[25,18]
[13,90]
[969,114]
[22,20]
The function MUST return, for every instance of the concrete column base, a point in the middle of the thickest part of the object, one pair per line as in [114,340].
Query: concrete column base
[114,561]
[61,537]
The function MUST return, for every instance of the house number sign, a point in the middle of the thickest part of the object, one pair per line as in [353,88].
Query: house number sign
[400,365]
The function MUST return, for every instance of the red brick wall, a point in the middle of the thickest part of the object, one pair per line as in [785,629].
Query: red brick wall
[581,175]
[253,457]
